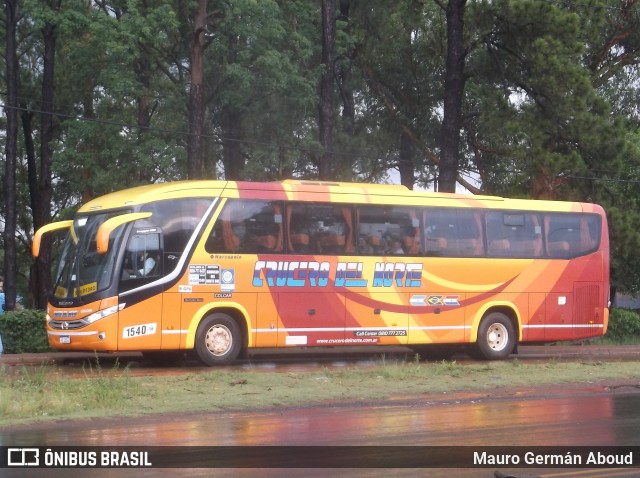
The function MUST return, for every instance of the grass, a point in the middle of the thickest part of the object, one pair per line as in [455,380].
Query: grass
[29,394]
[38,393]
[608,341]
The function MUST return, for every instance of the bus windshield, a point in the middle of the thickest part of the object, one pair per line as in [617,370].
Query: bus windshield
[82,271]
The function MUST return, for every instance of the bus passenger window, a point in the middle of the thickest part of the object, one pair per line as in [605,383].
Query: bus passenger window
[453,233]
[388,230]
[513,234]
[315,228]
[247,226]
[571,235]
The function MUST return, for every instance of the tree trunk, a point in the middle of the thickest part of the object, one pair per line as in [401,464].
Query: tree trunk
[453,94]
[89,114]
[231,148]
[196,102]
[32,179]
[11,151]
[406,161]
[143,72]
[42,214]
[326,107]
[345,74]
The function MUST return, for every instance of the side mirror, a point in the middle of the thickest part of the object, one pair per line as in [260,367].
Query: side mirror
[105,230]
[54,226]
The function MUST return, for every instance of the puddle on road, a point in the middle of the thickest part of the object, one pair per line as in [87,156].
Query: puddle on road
[596,419]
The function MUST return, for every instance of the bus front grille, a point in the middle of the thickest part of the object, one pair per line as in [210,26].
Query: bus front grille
[67,324]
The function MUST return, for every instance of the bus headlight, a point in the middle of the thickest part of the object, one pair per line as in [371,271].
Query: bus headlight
[101,314]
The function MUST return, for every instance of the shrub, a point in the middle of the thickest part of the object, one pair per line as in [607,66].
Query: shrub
[624,325]
[23,331]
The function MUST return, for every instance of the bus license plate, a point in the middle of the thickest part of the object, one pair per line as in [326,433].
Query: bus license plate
[65,339]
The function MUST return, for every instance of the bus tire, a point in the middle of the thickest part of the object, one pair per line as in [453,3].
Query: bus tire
[496,337]
[218,340]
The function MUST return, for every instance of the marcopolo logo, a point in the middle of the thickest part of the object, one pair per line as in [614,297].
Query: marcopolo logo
[23,457]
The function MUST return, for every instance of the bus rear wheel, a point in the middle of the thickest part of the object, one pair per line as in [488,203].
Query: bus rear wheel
[496,337]
[218,340]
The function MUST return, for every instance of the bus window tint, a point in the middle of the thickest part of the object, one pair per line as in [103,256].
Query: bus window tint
[320,228]
[388,230]
[142,255]
[177,218]
[572,235]
[247,226]
[513,234]
[453,233]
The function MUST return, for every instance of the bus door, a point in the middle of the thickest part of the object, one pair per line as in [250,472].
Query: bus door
[140,321]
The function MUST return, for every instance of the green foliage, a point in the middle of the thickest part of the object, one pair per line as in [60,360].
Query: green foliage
[624,326]
[29,394]
[23,331]
[550,101]
[37,393]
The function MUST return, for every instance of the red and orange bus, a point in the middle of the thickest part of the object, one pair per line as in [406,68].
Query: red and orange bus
[220,267]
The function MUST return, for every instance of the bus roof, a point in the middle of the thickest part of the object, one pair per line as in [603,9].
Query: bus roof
[302,190]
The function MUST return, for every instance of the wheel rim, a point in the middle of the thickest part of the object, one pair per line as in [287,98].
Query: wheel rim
[218,340]
[497,337]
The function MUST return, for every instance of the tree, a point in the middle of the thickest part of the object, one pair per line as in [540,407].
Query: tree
[533,98]
[41,191]
[196,107]
[535,107]
[453,95]
[326,105]
[11,8]
[262,87]
[403,83]
[132,111]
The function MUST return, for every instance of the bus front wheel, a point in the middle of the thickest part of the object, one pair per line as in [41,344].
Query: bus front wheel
[496,337]
[218,340]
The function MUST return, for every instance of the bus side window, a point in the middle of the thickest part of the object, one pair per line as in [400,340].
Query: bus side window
[590,226]
[142,255]
[264,229]
[453,233]
[299,229]
[388,230]
[513,234]
[436,231]
[247,226]
[316,228]
[178,219]
[498,243]
[571,235]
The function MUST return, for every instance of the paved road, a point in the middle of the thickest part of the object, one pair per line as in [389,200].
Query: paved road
[593,418]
